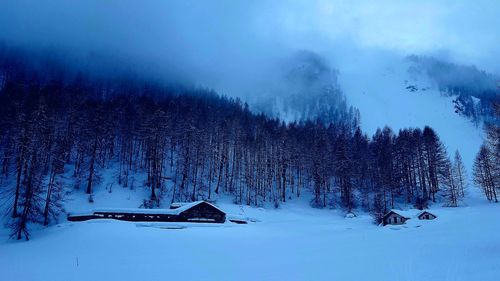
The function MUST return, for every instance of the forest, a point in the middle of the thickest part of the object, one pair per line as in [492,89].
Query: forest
[193,144]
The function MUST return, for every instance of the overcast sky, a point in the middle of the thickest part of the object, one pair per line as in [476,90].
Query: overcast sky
[212,40]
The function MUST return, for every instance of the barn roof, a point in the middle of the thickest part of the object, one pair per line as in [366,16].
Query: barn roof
[187,206]
[177,211]
[136,211]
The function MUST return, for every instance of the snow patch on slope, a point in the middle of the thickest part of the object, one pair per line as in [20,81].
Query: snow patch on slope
[380,92]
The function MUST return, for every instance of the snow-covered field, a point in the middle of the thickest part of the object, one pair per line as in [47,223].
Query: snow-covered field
[295,242]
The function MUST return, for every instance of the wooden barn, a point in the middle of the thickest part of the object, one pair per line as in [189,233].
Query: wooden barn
[426,216]
[394,218]
[199,211]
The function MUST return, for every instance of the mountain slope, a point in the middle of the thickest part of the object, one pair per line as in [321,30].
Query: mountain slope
[389,94]
[305,87]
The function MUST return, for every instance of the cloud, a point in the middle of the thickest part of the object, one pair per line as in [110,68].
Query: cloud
[232,45]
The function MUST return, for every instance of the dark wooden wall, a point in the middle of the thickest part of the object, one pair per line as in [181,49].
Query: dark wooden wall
[203,211]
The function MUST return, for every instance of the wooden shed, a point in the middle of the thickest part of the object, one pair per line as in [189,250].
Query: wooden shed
[394,218]
[426,216]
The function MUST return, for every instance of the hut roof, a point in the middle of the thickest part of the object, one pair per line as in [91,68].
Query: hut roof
[410,213]
[425,212]
[404,213]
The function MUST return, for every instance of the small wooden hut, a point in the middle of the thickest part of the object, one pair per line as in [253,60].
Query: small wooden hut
[394,218]
[426,216]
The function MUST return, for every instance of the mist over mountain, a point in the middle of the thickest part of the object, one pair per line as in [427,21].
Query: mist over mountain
[299,60]
[234,46]
[306,88]
[474,91]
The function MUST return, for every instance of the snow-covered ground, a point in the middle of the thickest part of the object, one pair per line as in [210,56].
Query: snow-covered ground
[295,242]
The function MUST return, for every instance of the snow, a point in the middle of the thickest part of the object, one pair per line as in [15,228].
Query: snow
[412,213]
[177,204]
[130,211]
[176,211]
[295,242]
[379,91]
[187,206]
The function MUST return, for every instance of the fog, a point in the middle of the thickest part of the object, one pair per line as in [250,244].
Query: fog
[235,47]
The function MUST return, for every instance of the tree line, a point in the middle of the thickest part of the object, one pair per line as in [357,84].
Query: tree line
[193,144]
[487,163]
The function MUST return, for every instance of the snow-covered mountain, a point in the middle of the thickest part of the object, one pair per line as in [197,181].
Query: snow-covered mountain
[305,87]
[473,90]
[401,94]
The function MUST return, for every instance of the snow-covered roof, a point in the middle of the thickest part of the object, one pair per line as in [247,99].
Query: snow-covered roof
[188,206]
[137,211]
[411,213]
[423,212]
[183,207]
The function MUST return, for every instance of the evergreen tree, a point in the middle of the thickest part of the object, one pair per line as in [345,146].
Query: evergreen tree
[484,175]
[460,174]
